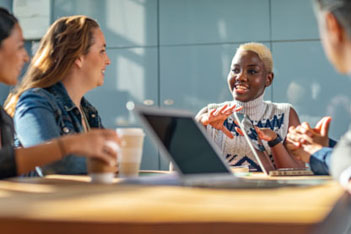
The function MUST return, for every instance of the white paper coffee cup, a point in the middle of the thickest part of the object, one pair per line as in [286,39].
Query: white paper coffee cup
[130,151]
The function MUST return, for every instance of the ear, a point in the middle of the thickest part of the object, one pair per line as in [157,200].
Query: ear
[79,62]
[269,79]
[335,31]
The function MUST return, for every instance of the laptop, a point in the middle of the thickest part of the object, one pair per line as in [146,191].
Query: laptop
[195,157]
[260,153]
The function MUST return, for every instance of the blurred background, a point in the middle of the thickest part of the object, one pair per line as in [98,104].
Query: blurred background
[177,54]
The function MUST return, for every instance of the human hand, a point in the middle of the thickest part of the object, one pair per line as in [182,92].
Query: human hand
[217,117]
[318,135]
[265,134]
[303,141]
[299,153]
[97,143]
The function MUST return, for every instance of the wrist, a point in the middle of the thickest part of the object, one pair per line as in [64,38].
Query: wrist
[275,141]
[67,145]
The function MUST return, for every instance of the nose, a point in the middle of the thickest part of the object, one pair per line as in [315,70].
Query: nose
[241,76]
[108,61]
[25,57]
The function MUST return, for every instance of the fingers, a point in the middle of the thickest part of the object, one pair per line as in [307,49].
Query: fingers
[108,155]
[292,137]
[324,130]
[108,134]
[226,110]
[220,110]
[227,132]
[238,109]
[266,134]
[290,146]
[239,131]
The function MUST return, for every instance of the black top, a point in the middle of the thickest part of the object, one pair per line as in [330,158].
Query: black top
[7,153]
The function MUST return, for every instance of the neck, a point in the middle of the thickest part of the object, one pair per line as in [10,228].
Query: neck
[74,88]
[254,108]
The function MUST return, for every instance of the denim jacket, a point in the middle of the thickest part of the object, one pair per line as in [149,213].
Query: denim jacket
[46,113]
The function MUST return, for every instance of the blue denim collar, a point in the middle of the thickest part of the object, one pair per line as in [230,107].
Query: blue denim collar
[60,91]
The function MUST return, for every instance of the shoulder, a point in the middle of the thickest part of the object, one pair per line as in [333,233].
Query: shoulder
[283,107]
[35,97]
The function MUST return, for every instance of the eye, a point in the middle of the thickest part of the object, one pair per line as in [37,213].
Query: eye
[21,46]
[236,70]
[251,71]
[103,51]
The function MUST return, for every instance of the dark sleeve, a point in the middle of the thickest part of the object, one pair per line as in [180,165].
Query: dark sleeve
[341,158]
[320,161]
[332,143]
[7,162]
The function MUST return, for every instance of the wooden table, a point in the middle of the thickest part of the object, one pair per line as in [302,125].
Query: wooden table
[70,204]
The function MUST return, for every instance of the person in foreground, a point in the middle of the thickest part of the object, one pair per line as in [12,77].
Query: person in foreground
[311,144]
[250,73]
[16,161]
[49,102]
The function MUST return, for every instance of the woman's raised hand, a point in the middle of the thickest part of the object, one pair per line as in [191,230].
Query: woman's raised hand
[216,118]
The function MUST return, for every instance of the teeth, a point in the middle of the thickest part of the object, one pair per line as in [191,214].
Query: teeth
[241,87]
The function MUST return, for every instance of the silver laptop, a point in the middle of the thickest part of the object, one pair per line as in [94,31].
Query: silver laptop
[260,152]
[196,159]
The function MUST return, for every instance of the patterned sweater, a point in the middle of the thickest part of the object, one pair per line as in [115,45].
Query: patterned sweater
[263,114]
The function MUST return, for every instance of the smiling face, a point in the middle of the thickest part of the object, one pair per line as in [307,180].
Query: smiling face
[12,56]
[248,77]
[96,60]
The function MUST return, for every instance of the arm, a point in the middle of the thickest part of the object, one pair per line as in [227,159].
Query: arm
[312,145]
[36,122]
[91,144]
[282,157]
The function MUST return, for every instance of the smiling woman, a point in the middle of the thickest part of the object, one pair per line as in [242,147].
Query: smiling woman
[49,102]
[16,161]
[250,73]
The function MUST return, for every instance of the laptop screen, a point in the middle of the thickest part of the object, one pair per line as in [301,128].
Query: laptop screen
[186,144]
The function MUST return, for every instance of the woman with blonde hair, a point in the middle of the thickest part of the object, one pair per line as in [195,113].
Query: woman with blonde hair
[16,161]
[250,74]
[49,102]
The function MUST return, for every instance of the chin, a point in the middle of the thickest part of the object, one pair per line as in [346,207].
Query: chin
[239,98]
[11,82]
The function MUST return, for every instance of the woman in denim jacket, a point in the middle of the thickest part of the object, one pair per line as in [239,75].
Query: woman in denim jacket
[14,161]
[49,102]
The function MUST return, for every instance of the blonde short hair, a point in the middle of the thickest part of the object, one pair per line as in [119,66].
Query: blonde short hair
[262,51]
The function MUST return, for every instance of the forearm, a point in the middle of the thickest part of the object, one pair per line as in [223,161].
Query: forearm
[29,158]
[283,159]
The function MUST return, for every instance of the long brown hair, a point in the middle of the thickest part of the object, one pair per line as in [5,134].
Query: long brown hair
[66,40]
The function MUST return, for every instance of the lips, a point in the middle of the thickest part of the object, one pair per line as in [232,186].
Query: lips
[241,88]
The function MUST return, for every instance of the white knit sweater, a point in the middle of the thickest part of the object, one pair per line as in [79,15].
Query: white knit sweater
[263,114]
